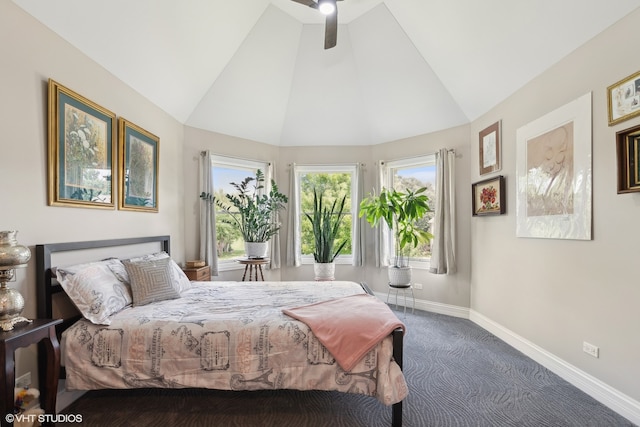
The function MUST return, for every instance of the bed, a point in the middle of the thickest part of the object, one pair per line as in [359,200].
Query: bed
[218,335]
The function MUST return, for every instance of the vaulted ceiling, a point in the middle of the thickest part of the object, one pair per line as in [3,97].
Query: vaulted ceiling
[257,69]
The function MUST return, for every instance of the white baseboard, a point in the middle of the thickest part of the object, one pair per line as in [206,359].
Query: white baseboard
[65,397]
[605,394]
[433,307]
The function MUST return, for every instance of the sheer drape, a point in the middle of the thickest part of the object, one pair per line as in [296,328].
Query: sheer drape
[381,233]
[358,236]
[293,229]
[274,242]
[443,260]
[208,246]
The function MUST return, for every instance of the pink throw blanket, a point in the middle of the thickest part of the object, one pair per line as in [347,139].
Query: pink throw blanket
[349,327]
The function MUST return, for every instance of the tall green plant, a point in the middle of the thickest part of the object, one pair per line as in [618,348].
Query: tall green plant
[326,226]
[400,210]
[254,212]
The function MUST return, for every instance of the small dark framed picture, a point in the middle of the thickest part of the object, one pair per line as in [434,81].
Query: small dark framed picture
[490,149]
[628,152]
[138,169]
[489,197]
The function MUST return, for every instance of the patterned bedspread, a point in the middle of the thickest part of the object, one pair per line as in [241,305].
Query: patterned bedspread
[228,336]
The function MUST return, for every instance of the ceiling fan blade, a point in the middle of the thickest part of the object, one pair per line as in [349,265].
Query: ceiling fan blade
[309,3]
[331,30]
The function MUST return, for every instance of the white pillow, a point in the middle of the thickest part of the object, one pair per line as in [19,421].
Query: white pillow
[95,290]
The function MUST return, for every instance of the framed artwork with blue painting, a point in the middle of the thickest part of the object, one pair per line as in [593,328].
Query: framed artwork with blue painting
[81,150]
[138,168]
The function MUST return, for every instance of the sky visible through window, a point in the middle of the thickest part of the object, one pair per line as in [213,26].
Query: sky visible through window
[224,176]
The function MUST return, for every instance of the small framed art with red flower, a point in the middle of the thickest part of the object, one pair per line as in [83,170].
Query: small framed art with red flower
[489,197]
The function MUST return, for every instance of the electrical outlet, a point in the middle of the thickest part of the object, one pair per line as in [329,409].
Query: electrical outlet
[590,349]
[24,381]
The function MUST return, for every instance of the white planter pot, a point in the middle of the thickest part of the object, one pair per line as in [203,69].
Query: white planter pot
[256,249]
[399,276]
[324,271]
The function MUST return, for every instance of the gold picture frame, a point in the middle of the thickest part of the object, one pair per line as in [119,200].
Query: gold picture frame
[138,168]
[623,99]
[628,154]
[81,150]
[490,150]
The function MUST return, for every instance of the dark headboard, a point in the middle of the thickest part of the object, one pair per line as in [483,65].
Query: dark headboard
[47,286]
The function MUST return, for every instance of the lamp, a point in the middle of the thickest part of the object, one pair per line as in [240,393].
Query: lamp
[326,7]
[12,256]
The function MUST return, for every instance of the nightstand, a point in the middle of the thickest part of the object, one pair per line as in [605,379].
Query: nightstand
[198,274]
[41,331]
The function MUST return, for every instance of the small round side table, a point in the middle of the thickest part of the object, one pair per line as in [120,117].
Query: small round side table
[253,266]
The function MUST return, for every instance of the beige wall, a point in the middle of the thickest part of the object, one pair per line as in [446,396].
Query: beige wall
[31,54]
[559,293]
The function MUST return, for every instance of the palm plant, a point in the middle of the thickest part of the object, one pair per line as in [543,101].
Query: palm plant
[249,210]
[400,210]
[325,222]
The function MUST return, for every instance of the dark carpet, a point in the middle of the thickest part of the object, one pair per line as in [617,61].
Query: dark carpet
[458,375]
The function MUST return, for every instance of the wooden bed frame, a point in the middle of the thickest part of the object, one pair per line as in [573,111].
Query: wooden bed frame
[47,286]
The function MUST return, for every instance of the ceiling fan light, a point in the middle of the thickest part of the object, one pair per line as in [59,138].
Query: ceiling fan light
[326,7]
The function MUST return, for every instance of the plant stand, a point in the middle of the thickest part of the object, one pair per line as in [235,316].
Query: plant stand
[404,289]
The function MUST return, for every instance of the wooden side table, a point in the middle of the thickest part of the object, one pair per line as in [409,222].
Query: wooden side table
[24,334]
[254,266]
[199,274]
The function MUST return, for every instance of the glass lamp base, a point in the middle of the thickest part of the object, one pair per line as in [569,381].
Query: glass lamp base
[8,324]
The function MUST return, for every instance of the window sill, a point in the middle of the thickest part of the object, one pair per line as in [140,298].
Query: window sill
[229,266]
[340,260]
[418,265]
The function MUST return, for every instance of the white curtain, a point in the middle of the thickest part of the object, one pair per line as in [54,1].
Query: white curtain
[358,235]
[293,229]
[443,260]
[382,235]
[274,243]
[208,246]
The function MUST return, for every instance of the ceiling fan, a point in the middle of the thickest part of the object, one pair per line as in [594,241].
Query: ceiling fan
[330,9]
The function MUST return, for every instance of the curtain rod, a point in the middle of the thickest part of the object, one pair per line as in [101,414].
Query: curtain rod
[327,164]
[449,150]
[204,153]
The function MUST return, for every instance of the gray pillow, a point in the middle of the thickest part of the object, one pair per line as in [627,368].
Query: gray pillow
[151,281]
[180,280]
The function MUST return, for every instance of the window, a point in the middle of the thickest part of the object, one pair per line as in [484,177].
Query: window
[225,170]
[413,174]
[333,182]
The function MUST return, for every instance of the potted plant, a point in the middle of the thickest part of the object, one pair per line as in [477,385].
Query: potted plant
[325,223]
[252,212]
[400,210]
